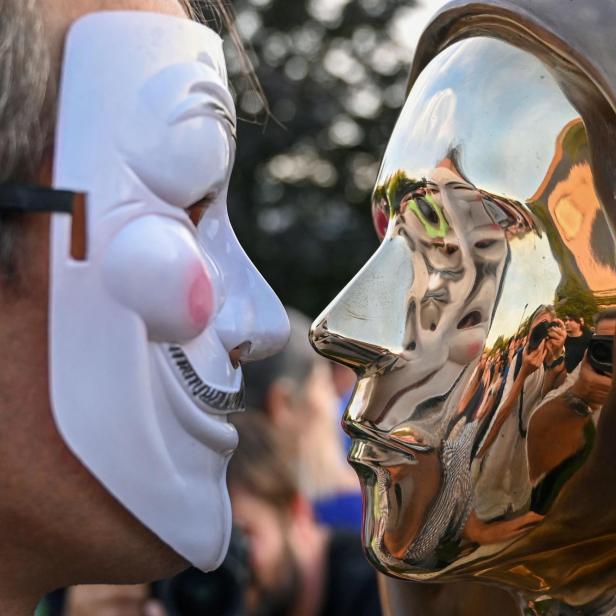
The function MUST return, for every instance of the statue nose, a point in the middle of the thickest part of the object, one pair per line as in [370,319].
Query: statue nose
[365,326]
[361,356]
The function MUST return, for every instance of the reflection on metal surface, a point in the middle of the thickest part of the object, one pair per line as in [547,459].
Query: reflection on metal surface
[467,428]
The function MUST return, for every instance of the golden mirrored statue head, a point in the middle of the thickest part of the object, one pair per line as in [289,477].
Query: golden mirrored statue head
[481,330]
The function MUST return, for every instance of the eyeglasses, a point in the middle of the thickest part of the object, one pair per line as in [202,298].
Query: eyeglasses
[26,199]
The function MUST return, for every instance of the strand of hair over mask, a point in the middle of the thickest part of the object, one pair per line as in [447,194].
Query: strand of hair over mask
[221,14]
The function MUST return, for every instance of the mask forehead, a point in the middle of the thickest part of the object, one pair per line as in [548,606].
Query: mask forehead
[144,76]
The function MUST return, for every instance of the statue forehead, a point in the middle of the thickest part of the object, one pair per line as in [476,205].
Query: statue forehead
[496,106]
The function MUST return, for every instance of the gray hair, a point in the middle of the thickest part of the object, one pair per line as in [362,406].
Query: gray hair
[24,82]
[26,117]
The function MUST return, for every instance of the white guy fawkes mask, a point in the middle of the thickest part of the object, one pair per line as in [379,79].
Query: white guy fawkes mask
[143,318]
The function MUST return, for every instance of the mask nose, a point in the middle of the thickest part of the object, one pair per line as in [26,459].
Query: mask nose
[252,323]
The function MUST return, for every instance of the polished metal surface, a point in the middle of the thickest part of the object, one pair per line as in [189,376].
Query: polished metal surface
[472,463]
[453,599]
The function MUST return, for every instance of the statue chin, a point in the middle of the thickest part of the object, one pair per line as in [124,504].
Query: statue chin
[481,415]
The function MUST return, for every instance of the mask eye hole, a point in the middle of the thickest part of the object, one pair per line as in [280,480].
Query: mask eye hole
[196,210]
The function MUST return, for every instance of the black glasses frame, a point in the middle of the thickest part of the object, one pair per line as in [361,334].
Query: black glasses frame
[25,198]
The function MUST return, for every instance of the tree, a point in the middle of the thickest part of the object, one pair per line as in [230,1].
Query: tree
[335,79]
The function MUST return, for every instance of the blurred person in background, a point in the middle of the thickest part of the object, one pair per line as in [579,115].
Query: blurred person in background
[295,391]
[344,382]
[576,343]
[298,566]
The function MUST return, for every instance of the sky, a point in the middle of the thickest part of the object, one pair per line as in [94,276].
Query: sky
[409,24]
[413,20]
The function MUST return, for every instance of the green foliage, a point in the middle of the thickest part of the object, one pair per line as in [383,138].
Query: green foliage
[575,299]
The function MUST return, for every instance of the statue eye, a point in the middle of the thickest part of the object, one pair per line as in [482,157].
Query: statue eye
[428,211]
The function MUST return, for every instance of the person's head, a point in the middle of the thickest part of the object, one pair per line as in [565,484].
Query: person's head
[574,324]
[542,314]
[488,202]
[123,322]
[270,511]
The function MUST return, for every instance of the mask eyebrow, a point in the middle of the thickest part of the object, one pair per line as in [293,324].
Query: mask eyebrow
[213,91]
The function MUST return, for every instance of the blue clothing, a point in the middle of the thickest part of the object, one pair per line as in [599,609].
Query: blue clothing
[342,511]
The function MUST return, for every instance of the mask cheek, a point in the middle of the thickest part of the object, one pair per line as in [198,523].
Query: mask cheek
[155,268]
[201,300]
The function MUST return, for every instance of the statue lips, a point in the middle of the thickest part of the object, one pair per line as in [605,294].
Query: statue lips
[410,481]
